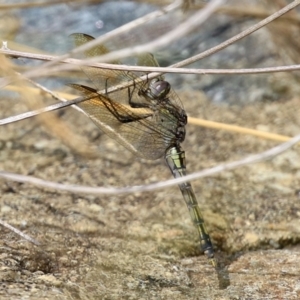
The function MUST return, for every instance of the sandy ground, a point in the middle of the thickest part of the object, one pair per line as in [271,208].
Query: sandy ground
[143,245]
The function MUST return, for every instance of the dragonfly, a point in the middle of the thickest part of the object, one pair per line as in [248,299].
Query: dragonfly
[146,117]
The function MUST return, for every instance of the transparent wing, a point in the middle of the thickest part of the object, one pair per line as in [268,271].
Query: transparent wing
[148,60]
[142,131]
[101,78]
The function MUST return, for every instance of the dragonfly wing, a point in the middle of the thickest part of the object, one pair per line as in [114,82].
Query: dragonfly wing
[136,129]
[101,78]
[148,60]
[80,39]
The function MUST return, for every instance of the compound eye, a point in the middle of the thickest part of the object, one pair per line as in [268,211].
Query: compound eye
[159,89]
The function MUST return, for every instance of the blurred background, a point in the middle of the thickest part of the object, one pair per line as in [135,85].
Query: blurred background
[143,245]
[45,28]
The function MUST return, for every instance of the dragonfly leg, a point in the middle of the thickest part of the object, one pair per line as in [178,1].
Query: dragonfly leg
[135,104]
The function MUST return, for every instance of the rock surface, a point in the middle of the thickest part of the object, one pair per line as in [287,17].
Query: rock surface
[143,245]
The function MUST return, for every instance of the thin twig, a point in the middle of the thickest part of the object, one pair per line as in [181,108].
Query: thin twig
[154,186]
[86,62]
[20,233]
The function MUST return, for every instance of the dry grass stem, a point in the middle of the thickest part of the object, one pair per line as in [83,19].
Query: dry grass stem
[154,186]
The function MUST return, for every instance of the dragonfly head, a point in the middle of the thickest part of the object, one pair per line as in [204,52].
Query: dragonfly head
[158,89]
